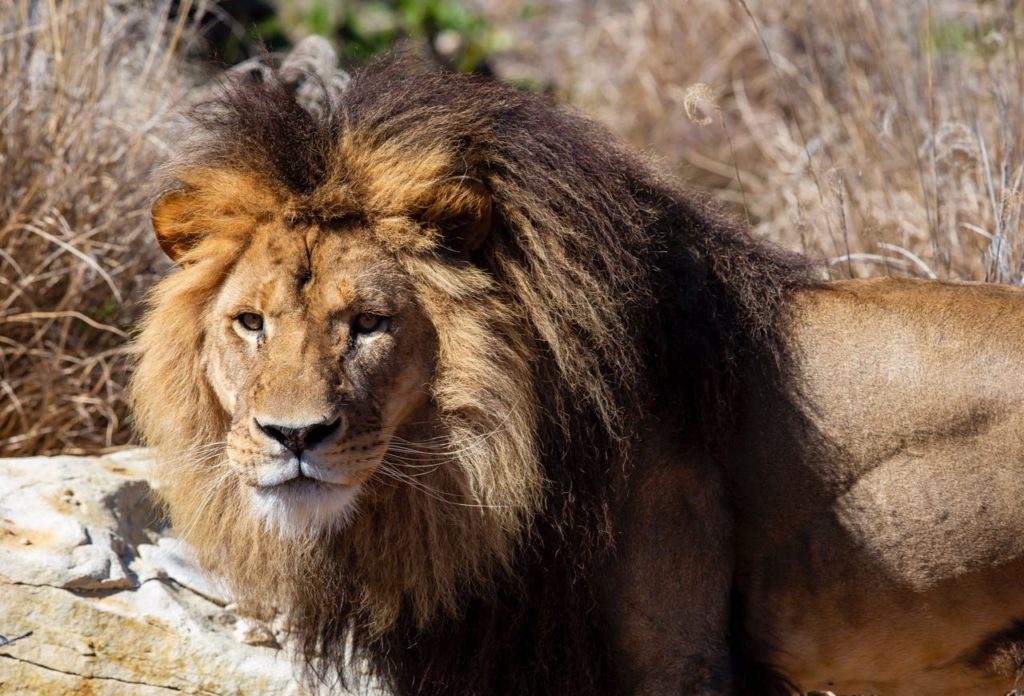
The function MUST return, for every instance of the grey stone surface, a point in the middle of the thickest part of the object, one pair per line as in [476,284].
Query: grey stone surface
[111,603]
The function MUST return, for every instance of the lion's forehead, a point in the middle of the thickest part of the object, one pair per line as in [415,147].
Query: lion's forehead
[317,272]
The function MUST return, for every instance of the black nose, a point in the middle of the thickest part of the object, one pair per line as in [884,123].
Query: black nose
[303,438]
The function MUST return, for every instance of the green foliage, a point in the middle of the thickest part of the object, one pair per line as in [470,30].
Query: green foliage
[958,38]
[106,310]
[364,28]
[320,21]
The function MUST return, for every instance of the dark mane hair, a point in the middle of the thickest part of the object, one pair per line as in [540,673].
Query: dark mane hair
[640,301]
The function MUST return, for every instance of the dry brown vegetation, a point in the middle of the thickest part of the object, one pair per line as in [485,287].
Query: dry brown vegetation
[85,91]
[884,136]
[878,131]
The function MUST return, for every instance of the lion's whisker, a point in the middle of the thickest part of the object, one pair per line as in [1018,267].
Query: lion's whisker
[460,448]
[437,495]
[416,463]
[195,462]
[427,469]
[414,455]
[197,453]
[223,474]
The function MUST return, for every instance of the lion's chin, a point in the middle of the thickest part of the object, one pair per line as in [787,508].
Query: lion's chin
[303,507]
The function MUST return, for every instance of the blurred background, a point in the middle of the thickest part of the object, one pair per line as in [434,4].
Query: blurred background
[881,136]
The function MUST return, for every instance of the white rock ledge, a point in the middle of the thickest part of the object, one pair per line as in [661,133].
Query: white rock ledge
[112,603]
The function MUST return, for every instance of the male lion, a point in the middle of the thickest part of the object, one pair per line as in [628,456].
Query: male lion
[491,407]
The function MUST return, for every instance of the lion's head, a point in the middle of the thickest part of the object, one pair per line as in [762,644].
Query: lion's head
[394,380]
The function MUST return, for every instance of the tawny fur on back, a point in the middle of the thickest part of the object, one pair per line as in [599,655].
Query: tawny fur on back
[599,290]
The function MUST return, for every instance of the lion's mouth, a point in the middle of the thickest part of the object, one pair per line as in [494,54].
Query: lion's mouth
[308,473]
[300,484]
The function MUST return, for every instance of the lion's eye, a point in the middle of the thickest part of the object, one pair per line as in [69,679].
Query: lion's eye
[368,323]
[250,321]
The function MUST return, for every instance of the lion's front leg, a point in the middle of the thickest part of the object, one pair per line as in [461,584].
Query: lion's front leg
[669,584]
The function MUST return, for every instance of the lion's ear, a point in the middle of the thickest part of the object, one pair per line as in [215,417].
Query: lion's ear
[208,201]
[464,214]
[174,220]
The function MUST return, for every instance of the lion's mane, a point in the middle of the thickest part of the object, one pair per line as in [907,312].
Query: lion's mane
[604,300]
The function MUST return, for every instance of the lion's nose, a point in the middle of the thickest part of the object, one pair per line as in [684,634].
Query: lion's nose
[303,437]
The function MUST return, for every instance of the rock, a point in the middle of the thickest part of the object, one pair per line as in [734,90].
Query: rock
[310,71]
[173,559]
[99,598]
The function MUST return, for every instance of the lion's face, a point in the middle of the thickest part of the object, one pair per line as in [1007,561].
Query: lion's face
[318,351]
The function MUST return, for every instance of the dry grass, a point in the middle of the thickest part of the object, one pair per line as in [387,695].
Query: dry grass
[85,91]
[883,135]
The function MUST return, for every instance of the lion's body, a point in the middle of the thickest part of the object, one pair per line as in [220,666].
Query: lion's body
[889,544]
[873,534]
[482,400]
